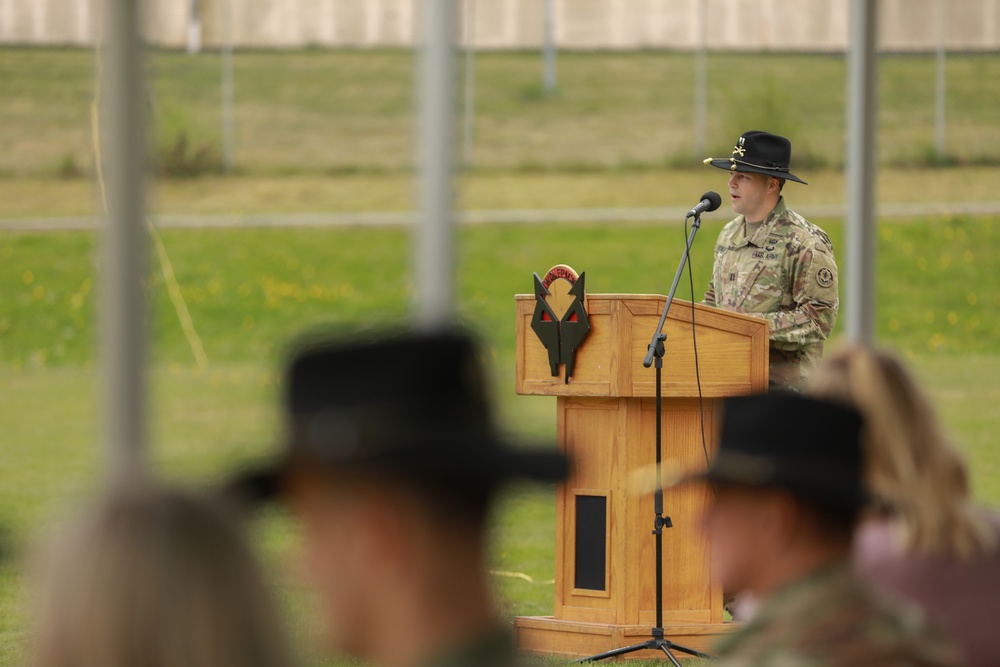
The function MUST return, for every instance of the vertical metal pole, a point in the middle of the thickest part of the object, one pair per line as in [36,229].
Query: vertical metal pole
[700,82]
[939,84]
[123,265]
[226,53]
[861,139]
[549,48]
[436,94]
[194,28]
[469,107]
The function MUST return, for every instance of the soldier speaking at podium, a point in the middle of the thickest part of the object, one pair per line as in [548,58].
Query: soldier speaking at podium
[773,263]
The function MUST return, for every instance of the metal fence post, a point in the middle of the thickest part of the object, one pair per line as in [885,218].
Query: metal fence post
[861,138]
[434,253]
[123,266]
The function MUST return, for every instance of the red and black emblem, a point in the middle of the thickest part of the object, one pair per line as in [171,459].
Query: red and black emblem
[560,319]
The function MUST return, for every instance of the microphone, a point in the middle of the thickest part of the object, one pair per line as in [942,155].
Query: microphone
[709,202]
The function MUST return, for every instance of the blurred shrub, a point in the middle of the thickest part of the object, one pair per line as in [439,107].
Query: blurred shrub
[178,151]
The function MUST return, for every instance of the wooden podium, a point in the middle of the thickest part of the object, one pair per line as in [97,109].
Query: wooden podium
[604,587]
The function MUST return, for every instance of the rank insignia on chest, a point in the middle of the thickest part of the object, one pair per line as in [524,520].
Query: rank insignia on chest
[732,276]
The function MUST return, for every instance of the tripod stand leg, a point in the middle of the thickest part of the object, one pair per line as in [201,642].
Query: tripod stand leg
[614,653]
[670,656]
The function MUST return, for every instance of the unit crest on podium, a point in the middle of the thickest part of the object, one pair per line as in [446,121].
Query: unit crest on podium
[560,319]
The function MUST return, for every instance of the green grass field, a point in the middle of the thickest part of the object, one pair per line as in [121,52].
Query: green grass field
[249,291]
[326,132]
[348,111]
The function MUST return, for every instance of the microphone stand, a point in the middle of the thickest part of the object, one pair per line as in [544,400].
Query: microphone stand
[654,356]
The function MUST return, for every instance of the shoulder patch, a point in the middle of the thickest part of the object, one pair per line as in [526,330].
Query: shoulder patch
[824,277]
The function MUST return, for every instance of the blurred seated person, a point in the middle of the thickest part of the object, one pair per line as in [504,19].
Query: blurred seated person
[927,541]
[391,464]
[788,492]
[154,577]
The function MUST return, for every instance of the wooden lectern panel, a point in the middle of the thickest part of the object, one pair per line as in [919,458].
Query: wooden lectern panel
[605,550]
[732,351]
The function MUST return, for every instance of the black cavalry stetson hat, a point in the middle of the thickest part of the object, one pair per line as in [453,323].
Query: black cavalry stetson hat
[413,403]
[809,446]
[762,153]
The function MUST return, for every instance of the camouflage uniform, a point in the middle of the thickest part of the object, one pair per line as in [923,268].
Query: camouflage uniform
[786,273]
[829,619]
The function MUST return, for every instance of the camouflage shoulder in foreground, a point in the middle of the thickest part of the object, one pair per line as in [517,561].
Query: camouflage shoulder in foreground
[829,619]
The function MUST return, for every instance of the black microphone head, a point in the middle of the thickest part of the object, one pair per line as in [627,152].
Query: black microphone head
[714,199]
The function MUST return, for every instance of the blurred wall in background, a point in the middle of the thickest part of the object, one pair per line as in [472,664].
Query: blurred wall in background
[751,25]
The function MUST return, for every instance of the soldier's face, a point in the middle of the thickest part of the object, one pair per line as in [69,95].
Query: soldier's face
[739,524]
[750,195]
[334,556]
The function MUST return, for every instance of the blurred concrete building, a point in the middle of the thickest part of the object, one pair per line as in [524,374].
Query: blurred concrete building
[750,25]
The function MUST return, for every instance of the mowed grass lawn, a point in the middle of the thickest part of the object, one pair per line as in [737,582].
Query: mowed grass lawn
[320,131]
[251,290]
[347,111]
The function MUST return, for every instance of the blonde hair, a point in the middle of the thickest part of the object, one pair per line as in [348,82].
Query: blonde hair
[155,577]
[911,467]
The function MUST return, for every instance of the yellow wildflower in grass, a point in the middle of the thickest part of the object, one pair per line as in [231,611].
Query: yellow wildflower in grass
[972,299]
[894,325]
[968,257]
[921,263]
[28,277]
[39,357]
[959,234]
[38,293]
[972,323]
[936,341]
[213,287]
[945,261]
[953,318]
[907,248]
[886,233]
[929,317]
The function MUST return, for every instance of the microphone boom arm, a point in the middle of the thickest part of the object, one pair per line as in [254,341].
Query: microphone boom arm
[655,348]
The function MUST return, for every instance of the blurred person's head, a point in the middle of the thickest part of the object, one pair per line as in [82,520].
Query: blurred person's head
[787,489]
[154,577]
[913,471]
[391,464]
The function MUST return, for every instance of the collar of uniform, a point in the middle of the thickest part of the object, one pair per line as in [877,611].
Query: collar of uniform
[759,238]
[777,604]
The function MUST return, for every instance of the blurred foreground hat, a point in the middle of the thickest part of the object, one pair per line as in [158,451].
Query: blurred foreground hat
[414,403]
[809,446]
[761,153]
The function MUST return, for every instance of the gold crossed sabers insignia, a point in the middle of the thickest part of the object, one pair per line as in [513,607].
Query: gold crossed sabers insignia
[740,150]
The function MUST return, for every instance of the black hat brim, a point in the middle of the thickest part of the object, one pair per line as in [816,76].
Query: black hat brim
[727,164]
[821,484]
[492,464]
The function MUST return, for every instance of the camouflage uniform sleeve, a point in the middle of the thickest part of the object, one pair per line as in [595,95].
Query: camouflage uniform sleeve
[815,302]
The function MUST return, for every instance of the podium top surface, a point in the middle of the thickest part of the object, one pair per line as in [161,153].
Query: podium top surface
[732,350]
